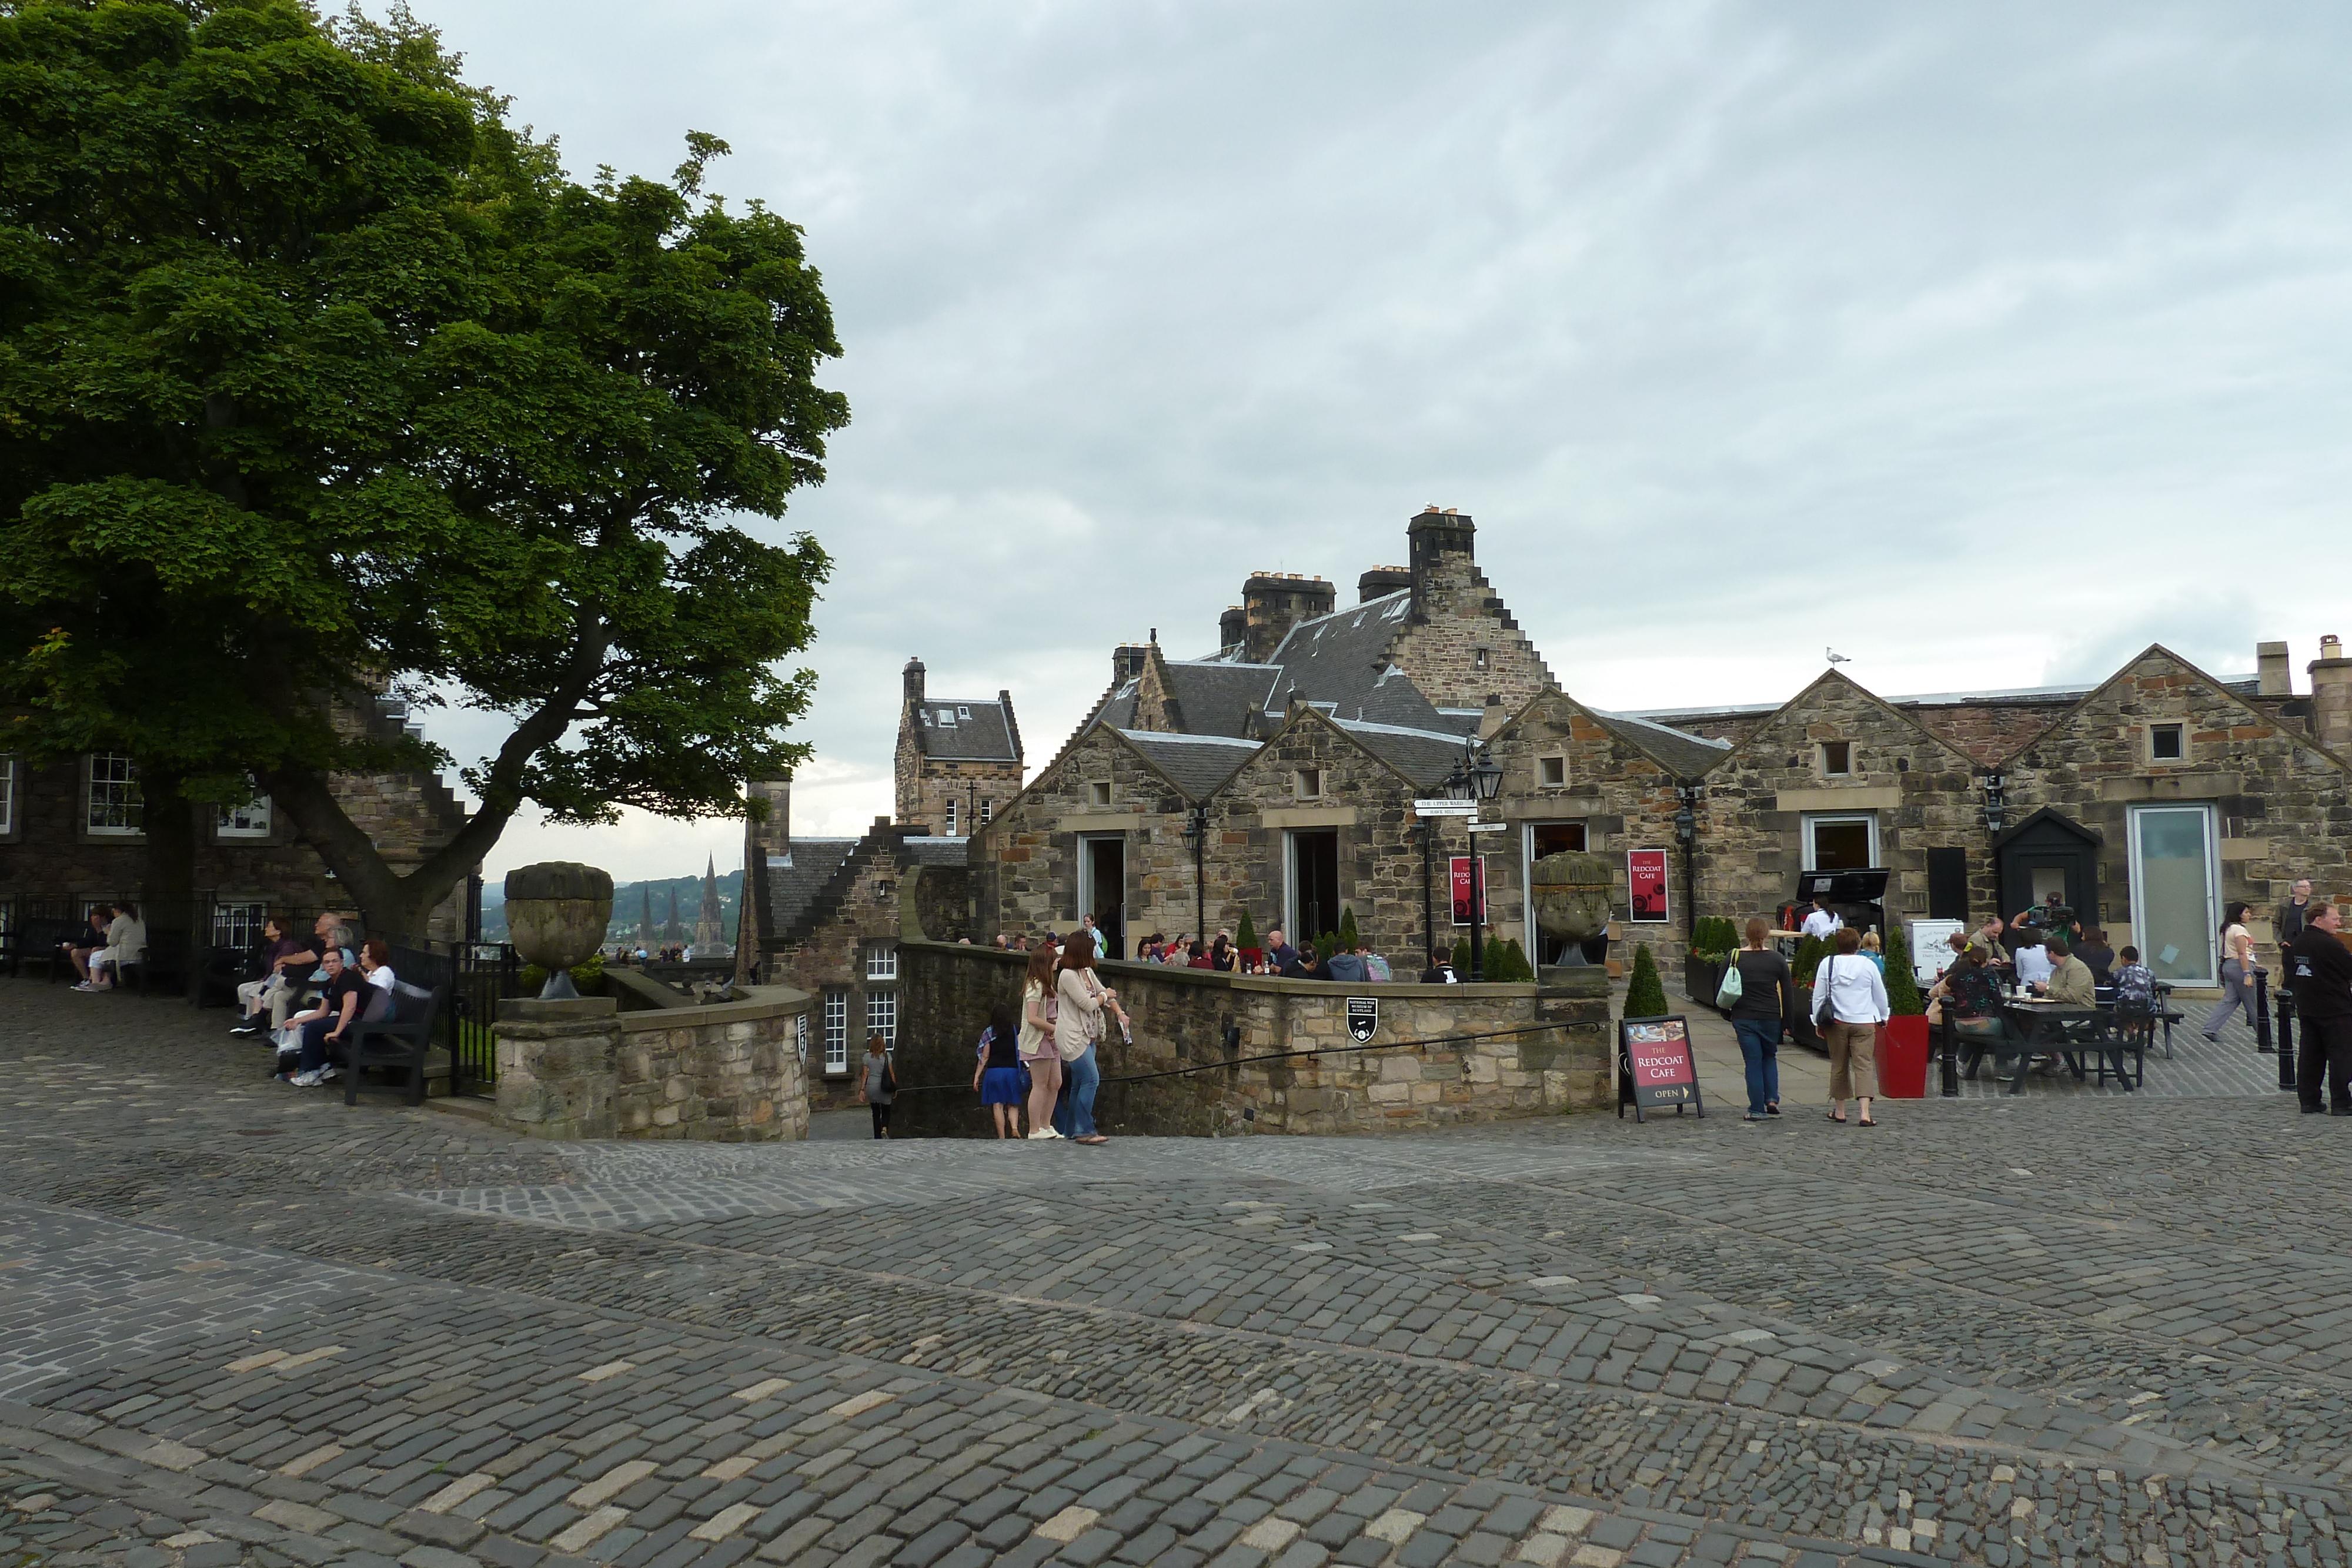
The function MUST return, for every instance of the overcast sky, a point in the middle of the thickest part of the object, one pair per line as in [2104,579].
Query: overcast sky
[1987,344]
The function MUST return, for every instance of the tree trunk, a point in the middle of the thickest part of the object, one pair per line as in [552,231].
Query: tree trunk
[167,879]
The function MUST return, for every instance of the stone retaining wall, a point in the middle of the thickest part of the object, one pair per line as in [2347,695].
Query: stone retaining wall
[725,1073]
[1199,1019]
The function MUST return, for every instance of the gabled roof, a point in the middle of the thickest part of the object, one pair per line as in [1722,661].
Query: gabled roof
[1422,756]
[966,729]
[1340,658]
[2235,691]
[795,878]
[1686,756]
[2053,815]
[919,851]
[1215,697]
[1749,742]
[1195,764]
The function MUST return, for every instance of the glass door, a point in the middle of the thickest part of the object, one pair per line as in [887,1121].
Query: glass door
[2174,884]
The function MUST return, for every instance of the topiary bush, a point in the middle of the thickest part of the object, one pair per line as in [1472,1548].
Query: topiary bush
[1714,937]
[1902,997]
[1462,957]
[1646,994]
[1245,933]
[1513,964]
[1811,951]
[1347,928]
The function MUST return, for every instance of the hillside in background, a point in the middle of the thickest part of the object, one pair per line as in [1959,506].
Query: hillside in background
[628,901]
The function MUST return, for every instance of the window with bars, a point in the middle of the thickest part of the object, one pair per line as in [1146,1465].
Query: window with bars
[881,961]
[114,805]
[239,924]
[836,1031]
[882,1016]
[951,816]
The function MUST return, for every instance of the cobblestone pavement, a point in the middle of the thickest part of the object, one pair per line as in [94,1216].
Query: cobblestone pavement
[242,1324]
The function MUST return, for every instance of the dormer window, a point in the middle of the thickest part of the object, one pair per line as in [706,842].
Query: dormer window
[1309,781]
[1551,772]
[1837,757]
[946,718]
[2168,742]
[963,712]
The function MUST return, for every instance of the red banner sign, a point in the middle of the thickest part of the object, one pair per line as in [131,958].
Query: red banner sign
[1462,890]
[1646,885]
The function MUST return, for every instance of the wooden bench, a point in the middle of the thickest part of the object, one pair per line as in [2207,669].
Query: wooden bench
[400,1039]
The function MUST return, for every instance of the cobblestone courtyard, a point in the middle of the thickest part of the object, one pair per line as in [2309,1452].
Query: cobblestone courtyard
[244,1323]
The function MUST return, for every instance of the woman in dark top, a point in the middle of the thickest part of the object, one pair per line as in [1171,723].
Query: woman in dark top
[997,1078]
[1222,953]
[2094,951]
[1971,993]
[1768,1001]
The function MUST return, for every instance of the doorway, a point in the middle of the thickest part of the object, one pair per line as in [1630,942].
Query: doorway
[2175,880]
[1102,890]
[1314,883]
[1551,839]
[2049,852]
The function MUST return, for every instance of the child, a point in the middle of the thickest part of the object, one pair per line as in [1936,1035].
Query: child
[998,1077]
[2134,986]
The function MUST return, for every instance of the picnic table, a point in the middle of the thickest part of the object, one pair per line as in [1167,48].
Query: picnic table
[2034,1029]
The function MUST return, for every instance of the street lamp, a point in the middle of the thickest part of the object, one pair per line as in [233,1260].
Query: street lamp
[1476,778]
[1995,808]
[1196,838]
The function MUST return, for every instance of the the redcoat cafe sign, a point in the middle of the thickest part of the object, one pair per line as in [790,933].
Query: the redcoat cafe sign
[1655,1067]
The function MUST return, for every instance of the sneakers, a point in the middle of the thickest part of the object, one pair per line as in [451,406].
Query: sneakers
[305,1080]
[1042,1134]
[245,1028]
[328,1075]
[89,985]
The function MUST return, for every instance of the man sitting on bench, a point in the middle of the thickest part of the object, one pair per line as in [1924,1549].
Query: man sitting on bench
[327,1024]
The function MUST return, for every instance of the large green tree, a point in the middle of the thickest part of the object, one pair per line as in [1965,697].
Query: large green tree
[319,379]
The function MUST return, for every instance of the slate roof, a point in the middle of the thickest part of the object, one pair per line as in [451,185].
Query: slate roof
[1341,658]
[795,879]
[1198,763]
[1424,756]
[1684,755]
[1216,697]
[966,729]
[923,851]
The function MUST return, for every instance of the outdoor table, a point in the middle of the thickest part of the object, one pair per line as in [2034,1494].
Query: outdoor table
[2038,1029]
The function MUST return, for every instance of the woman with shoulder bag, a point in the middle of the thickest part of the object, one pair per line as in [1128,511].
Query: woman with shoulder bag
[1039,1020]
[1084,1001]
[1848,1004]
[1765,1005]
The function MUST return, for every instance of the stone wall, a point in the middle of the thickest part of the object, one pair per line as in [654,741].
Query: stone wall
[833,958]
[1025,862]
[1456,617]
[1558,1058]
[2279,798]
[723,1073]
[1921,790]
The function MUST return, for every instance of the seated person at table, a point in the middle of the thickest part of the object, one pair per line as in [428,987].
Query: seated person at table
[2032,959]
[1988,941]
[2070,978]
[2092,949]
[1969,991]
[1301,965]
[2135,982]
[1344,965]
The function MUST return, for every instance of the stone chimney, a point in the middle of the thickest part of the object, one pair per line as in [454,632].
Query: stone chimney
[1233,627]
[1381,582]
[1443,554]
[2276,679]
[1274,601]
[2331,696]
[1127,661]
[914,679]
[775,836]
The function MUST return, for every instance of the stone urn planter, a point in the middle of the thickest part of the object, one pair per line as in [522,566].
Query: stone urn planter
[1570,892]
[556,916]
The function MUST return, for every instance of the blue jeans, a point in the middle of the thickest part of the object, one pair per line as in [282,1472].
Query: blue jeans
[315,1045]
[1759,1044]
[1073,1112]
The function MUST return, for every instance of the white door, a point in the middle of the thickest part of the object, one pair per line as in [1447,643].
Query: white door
[2176,881]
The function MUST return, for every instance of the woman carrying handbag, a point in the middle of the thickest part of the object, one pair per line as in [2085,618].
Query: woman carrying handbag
[1084,1000]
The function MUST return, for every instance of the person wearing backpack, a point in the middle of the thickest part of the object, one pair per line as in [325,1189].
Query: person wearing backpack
[1848,1004]
[879,1086]
[1762,996]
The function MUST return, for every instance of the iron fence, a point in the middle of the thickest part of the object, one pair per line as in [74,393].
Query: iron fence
[473,975]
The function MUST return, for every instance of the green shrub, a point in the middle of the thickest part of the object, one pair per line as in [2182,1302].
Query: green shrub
[1508,961]
[1245,933]
[587,978]
[1462,957]
[1646,994]
[1902,997]
[1347,928]
[1811,951]
[1714,937]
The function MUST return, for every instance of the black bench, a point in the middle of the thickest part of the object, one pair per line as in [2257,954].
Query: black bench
[164,962]
[402,1039]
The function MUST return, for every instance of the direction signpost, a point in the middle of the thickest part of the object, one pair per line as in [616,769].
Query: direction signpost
[1446,808]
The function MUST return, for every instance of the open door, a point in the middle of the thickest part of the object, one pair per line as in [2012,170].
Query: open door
[1314,884]
[2049,852]
[1102,890]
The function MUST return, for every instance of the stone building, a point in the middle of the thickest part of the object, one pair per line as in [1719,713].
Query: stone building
[957,758]
[1276,774]
[73,833]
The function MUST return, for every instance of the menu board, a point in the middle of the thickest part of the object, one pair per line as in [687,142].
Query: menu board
[1655,1066]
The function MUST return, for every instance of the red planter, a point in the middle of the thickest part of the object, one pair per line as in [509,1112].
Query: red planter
[1901,1050]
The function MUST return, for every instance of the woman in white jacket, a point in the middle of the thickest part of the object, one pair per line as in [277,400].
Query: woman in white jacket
[1848,1004]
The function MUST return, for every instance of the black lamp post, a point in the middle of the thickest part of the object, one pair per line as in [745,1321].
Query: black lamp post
[1196,838]
[1996,808]
[1686,830]
[1477,778]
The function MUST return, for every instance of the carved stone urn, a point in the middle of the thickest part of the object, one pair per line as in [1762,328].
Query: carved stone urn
[556,916]
[1571,892]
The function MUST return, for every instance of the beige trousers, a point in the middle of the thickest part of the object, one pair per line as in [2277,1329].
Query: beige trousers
[1853,1072]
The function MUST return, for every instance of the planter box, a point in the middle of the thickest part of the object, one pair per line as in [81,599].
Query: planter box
[1702,979]
[1901,1050]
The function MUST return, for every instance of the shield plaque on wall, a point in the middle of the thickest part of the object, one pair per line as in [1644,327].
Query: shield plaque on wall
[1363,1018]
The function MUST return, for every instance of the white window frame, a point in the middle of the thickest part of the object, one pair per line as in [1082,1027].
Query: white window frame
[8,770]
[2212,820]
[951,816]
[1554,759]
[963,713]
[250,820]
[987,810]
[2183,729]
[836,1033]
[238,922]
[129,807]
[1815,818]
[946,718]
[881,961]
[882,1016]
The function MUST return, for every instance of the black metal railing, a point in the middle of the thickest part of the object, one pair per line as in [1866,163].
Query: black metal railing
[476,975]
